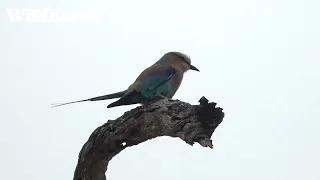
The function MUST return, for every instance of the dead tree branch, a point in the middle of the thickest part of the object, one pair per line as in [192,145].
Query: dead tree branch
[174,118]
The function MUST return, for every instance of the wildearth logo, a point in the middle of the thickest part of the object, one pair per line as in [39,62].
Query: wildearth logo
[29,15]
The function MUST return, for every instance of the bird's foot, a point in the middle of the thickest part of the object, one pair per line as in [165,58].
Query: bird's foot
[160,96]
[156,98]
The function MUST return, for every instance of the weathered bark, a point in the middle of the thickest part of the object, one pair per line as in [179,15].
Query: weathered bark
[191,123]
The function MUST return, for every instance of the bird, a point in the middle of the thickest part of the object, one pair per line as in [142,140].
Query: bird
[161,80]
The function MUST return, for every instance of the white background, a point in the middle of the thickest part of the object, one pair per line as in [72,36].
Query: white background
[259,60]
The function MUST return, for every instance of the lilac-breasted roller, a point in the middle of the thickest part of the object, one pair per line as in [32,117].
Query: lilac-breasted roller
[160,80]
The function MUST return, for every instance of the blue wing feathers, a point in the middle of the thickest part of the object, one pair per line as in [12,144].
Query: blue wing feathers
[169,71]
[158,82]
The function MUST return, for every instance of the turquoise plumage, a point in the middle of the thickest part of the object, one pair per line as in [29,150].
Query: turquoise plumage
[160,80]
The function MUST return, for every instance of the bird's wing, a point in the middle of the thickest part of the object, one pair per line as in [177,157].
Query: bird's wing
[154,70]
[143,88]
[152,77]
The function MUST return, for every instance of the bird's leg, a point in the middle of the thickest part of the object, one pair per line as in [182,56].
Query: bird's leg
[161,96]
[157,96]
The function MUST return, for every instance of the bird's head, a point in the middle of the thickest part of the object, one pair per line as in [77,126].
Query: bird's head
[181,62]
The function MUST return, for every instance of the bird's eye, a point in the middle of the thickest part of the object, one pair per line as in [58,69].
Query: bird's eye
[184,59]
[181,57]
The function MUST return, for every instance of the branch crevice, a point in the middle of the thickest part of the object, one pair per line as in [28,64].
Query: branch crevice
[174,118]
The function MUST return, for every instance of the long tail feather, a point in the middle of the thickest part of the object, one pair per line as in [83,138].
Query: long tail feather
[109,96]
[121,102]
[61,104]
[133,97]
[98,98]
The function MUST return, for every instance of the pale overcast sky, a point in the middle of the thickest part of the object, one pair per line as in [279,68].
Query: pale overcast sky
[259,60]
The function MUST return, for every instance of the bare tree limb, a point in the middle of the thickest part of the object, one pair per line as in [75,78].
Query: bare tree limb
[174,118]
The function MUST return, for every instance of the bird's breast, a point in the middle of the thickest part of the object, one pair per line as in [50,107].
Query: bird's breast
[175,83]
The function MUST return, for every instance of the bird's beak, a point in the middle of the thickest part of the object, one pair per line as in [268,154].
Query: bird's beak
[194,68]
